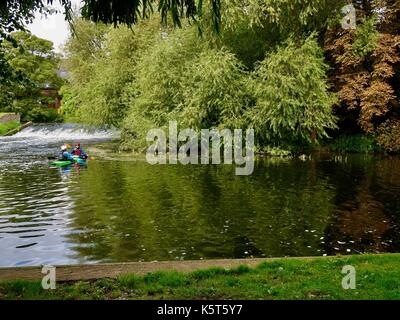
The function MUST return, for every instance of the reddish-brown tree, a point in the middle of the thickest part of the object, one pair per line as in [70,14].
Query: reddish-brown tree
[366,79]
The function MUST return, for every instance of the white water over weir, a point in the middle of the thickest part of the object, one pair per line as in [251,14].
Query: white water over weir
[54,132]
[40,141]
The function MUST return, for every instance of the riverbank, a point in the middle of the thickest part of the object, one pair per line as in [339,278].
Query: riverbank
[377,277]
[10,124]
[17,129]
[342,145]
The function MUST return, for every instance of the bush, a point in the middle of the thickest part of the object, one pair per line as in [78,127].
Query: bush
[366,37]
[356,143]
[388,137]
[69,109]
[43,115]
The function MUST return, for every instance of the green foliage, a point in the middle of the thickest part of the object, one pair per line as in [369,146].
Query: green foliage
[157,89]
[14,15]
[96,88]
[292,97]
[212,92]
[43,115]
[142,79]
[366,37]
[265,69]
[35,59]
[354,143]
[287,17]
[69,108]
[33,102]
[205,89]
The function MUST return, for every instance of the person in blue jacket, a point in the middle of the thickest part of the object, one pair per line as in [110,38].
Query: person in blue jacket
[65,155]
[78,151]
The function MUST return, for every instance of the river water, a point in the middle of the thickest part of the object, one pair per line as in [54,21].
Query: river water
[119,210]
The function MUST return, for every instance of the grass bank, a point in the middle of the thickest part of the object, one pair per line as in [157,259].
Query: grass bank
[377,277]
[8,126]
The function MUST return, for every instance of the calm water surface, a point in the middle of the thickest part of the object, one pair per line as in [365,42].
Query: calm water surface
[116,210]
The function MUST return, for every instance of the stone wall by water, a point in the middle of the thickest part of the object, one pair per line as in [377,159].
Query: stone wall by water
[10,117]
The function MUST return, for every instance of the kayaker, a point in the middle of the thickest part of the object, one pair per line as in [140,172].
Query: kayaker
[78,151]
[64,154]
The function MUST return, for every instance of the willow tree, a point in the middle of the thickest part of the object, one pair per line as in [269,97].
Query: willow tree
[101,62]
[293,103]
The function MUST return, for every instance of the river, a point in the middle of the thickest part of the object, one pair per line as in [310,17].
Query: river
[120,210]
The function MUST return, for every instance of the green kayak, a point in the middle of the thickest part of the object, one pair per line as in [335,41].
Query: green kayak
[60,163]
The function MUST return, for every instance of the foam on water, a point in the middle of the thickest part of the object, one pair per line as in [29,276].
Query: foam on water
[56,132]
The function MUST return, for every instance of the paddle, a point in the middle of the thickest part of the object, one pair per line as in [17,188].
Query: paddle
[55,158]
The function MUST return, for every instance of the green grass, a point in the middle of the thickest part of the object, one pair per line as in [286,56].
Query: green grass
[5,127]
[377,276]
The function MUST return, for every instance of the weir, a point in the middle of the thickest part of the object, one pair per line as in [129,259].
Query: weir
[66,131]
